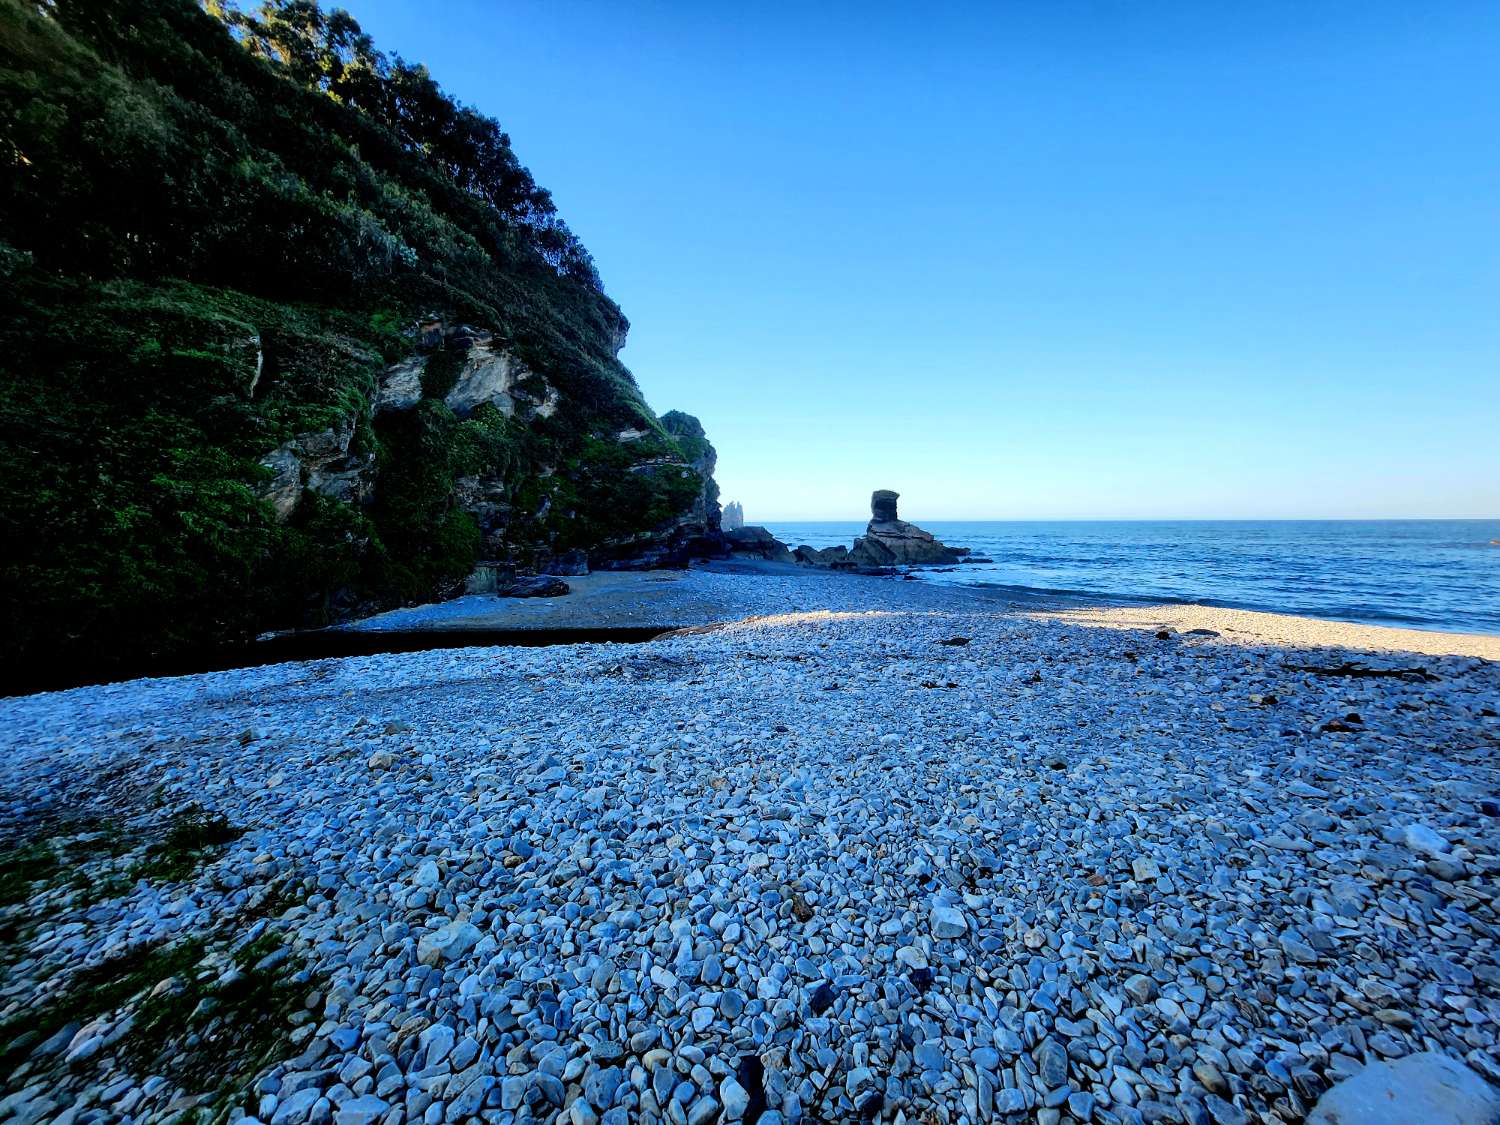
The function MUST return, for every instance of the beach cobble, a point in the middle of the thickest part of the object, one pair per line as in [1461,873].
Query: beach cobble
[896,864]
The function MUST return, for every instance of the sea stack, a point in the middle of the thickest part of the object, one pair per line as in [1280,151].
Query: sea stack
[891,541]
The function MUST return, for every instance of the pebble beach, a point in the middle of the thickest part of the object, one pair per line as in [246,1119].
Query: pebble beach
[850,849]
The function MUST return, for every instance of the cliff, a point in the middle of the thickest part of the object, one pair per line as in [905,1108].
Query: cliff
[290,335]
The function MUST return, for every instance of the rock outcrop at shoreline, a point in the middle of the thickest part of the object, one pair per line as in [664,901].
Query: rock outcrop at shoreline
[759,543]
[888,541]
[891,541]
[734,516]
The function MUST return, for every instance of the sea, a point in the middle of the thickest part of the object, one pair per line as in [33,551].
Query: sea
[1427,574]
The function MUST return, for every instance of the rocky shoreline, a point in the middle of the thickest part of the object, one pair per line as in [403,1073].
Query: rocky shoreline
[879,851]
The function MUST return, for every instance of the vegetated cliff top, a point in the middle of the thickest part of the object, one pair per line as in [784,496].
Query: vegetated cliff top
[216,229]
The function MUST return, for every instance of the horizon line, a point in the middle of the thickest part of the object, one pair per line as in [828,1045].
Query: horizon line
[1142,519]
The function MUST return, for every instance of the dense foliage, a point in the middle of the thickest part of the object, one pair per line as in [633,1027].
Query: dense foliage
[216,228]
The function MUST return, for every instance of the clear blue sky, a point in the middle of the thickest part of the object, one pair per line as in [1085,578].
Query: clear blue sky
[1047,259]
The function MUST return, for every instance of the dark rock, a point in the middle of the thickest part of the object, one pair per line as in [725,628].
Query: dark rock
[883,505]
[836,557]
[759,542]
[921,979]
[954,641]
[574,563]
[534,586]
[821,999]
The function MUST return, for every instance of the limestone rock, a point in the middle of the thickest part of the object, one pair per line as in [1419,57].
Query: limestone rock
[448,943]
[487,373]
[891,541]
[1431,1088]
[734,516]
[321,462]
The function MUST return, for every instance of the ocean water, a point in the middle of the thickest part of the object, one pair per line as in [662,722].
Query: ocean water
[1430,574]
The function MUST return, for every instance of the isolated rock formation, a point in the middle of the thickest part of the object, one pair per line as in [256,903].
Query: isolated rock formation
[734,516]
[891,541]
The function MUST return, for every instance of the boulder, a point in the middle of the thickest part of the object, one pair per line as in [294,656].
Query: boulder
[501,579]
[891,541]
[827,557]
[1430,1088]
[759,542]
[535,586]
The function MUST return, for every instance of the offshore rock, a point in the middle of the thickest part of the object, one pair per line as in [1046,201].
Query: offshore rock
[891,541]
[734,516]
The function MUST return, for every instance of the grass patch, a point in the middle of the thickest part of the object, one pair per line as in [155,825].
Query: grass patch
[94,991]
[192,838]
[205,1020]
[55,860]
[213,1030]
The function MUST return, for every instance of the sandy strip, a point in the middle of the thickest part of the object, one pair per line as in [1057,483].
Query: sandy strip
[1246,626]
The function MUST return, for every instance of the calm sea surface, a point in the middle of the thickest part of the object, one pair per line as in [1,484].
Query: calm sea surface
[1433,574]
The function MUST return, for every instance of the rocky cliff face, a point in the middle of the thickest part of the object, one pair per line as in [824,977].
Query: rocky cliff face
[466,370]
[266,363]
